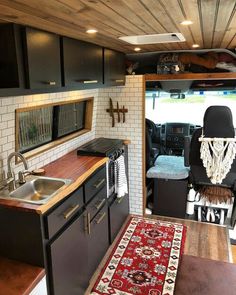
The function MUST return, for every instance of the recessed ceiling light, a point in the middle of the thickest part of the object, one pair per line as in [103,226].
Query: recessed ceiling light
[137,49]
[91,31]
[195,45]
[186,22]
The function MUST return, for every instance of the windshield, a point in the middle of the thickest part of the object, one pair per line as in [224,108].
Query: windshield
[161,108]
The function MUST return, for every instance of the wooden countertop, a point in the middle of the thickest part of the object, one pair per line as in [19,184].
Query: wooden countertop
[71,166]
[17,278]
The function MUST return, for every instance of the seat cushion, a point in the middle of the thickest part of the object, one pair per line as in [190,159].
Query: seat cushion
[168,167]
[199,276]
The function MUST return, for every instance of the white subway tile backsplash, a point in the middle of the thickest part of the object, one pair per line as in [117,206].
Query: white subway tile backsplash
[8,116]
[131,97]
[7,101]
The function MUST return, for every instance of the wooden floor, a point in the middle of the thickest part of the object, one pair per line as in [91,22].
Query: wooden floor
[234,253]
[202,240]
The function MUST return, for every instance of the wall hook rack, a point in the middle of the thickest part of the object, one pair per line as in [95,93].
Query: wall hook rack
[118,110]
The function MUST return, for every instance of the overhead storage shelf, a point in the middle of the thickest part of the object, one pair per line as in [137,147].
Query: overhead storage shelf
[191,76]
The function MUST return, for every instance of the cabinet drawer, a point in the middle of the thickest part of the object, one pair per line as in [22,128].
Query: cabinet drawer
[118,212]
[97,203]
[96,182]
[62,214]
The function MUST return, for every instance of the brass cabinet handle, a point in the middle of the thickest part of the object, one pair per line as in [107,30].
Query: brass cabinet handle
[88,223]
[87,227]
[99,183]
[100,218]
[119,200]
[98,205]
[89,81]
[119,80]
[70,211]
[51,83]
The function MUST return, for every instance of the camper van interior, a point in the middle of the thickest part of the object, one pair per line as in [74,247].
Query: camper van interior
[117,147]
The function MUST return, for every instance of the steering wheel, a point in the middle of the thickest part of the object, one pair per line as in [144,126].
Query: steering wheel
[150,125]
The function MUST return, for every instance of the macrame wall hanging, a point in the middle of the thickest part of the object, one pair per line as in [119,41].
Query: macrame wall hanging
[217,155]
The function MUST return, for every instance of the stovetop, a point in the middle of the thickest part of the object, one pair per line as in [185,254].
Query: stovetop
[100,147]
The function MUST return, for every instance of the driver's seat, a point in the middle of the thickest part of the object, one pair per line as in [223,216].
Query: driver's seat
[151,152]
[213,195]
[217,123]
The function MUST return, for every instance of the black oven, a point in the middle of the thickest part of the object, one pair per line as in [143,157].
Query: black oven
[105,147]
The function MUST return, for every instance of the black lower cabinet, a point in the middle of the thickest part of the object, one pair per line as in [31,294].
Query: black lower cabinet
[118,212]
[98,240]
[69,260]
[70,239]
[170,197]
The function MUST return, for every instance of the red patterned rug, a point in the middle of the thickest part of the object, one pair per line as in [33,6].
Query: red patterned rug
[145,259]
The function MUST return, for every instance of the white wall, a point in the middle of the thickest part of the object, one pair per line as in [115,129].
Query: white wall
[129,95]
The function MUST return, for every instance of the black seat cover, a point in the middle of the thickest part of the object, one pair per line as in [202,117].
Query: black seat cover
[218,122]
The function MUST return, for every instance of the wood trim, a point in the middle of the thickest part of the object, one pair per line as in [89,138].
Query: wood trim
[17,128]
[190,76]
[89,114]
[50,145]
[144,146]
[68,189]
[127,141]
[25,109]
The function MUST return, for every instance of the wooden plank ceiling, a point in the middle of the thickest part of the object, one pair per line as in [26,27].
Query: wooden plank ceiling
[214,21]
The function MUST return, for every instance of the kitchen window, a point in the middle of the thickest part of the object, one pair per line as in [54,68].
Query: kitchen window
[42,127]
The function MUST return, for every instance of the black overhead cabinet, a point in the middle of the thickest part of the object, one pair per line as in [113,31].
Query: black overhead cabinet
[35,61]
[9,75]
[114,68]
[82,64]
[42,59]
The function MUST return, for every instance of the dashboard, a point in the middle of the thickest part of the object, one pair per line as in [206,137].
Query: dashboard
[171,136]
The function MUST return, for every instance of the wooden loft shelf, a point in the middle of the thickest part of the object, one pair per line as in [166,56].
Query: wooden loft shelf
[191,76]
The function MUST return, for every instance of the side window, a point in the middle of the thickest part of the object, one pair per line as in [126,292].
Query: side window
[41,125]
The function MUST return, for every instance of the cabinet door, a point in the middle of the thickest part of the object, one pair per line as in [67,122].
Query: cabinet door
[42,58]
[98,240]
[9,76]
[69,260]
[83,66]
[114,68]
[118,212]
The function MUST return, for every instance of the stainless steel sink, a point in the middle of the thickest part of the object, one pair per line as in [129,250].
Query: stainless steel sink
[39,190]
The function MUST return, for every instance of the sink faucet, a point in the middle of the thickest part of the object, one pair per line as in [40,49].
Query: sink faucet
[10,173]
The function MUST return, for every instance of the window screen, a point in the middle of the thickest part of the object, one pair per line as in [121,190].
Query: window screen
[35,128]
[41,125]
[70,118]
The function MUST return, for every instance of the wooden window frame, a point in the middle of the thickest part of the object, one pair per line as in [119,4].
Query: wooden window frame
[47,146]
